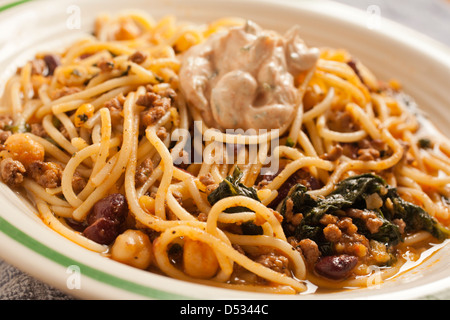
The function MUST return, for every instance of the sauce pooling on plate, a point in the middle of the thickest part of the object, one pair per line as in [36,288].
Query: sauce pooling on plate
[244,78]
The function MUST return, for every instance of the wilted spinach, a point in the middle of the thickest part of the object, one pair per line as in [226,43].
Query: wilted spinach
[231,186]
[352,193]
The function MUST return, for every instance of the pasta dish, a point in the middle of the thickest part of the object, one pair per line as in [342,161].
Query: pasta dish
[226,154]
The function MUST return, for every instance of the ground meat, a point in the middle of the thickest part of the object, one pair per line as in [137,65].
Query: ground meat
[38,130]
[401,225]
[372,221]
[342,121]
[334,154]
[178,196]
[332,233]
[328,219]
[365,150]
[290,218]
[376,144]
[155,105]
[308,248]
[12,172]
[5,121]
[289,209]
[203,217]
[166,92]
[4,135]
[207,179]
[369,154]
[278,263]
[64,91]
[47,174]
[78,183]
[144,171]
[152,116]
[355,245]
[115,107]
[343,233]
[138,57]
[105,65]
[147,99]
[350,150]
[161,133]
[346,224]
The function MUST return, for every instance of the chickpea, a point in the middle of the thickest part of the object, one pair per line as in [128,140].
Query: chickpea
[133,247]
[24,149]
[199,259]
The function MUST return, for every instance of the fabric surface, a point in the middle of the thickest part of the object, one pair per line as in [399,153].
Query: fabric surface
[17,285]
[429,17]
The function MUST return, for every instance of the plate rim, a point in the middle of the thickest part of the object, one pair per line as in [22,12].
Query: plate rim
[21,238]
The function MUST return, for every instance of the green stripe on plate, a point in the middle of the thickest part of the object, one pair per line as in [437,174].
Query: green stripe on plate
[12,4]
[34,245]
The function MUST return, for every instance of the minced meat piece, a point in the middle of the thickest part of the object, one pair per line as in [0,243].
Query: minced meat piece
[206,179]
[144,171]
[78,182]
[308,248]
[12,172]
[5,121]
[155,107]
[115,107]
[278,263]
[4,135]
[64,91]
[38,130]
[47,174]
[138,57]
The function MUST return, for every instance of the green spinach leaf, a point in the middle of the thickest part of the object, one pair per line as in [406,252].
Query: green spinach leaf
[231,186]
[352,193]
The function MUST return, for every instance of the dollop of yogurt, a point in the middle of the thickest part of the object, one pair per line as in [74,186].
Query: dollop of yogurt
[243,78]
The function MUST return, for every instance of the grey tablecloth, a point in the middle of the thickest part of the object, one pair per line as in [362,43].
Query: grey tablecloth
[431,17]
[16,285]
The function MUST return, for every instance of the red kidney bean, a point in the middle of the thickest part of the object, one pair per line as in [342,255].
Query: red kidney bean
[105,218]
[336,267]
[113,207]
[76,225]
[52,61]
[102,231]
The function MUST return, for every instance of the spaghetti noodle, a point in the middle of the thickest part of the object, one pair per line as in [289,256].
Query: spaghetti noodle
[100,137]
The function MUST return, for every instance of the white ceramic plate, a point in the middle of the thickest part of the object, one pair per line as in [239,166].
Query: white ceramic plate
[422,65]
